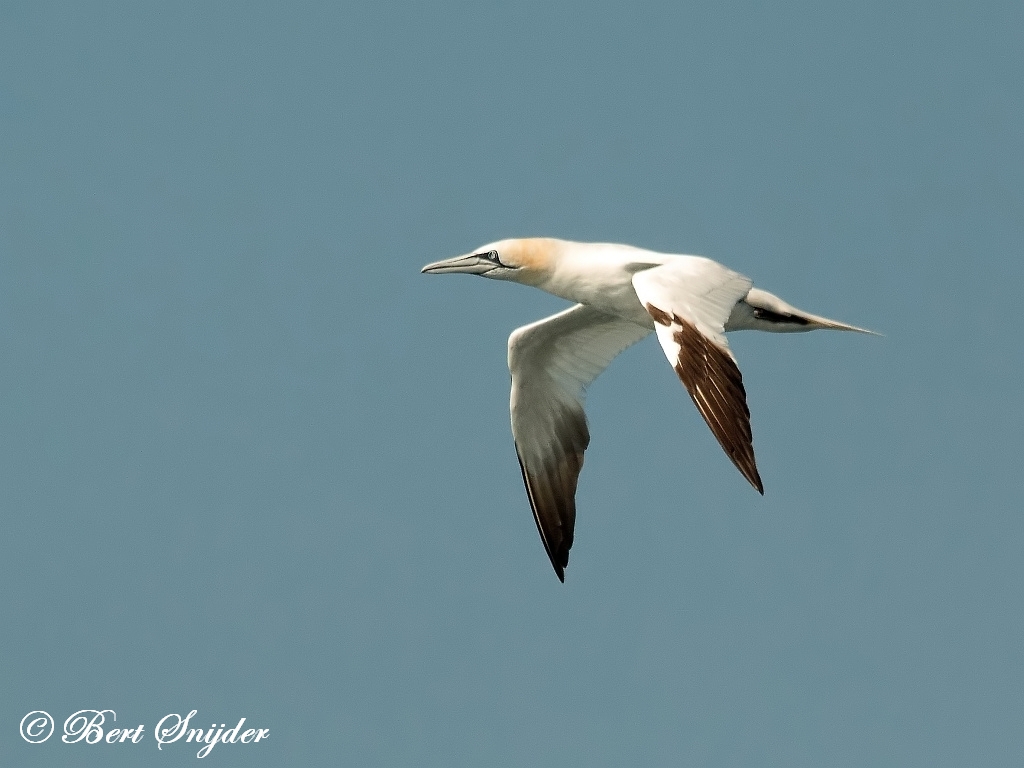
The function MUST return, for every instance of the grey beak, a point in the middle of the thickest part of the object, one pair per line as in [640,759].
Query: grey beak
[471,265]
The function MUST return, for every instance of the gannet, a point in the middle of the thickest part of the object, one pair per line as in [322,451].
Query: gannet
[620,293]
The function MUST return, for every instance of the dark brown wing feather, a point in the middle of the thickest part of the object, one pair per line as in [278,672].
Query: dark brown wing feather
[552,361]
[551,487]
[715,385]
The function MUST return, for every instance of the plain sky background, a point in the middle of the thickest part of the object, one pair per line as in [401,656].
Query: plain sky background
[253,463]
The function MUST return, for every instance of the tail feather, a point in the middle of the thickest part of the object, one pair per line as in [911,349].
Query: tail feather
[763,311]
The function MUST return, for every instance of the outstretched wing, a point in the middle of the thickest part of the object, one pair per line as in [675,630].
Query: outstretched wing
[552,361]
[690,299]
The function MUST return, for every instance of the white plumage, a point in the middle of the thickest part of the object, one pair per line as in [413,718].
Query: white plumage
[622,293]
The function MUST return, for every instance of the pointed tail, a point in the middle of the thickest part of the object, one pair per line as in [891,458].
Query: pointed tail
[763,311]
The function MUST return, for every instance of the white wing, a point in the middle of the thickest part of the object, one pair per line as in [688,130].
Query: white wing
[552,361]
[690,299]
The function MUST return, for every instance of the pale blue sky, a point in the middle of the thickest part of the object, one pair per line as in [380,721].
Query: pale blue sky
[254,464]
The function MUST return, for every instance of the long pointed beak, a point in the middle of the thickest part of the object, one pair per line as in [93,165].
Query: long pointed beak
[471,265]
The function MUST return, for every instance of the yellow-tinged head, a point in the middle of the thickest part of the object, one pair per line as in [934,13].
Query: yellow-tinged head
[525,260]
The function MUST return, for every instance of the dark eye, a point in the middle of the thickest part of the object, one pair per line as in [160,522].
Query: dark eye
[493,256]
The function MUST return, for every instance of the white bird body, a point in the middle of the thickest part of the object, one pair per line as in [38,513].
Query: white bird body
[622,293]
[598,275]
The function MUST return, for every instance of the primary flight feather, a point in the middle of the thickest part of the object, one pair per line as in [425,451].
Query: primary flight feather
[621,294]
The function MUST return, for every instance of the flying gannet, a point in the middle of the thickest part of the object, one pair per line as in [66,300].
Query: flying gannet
[621,294]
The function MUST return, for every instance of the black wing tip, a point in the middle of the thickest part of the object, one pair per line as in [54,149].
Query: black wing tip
[559,557]
[753,477]
[559,561]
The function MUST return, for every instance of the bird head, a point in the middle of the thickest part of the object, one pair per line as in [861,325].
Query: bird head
[527,260]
